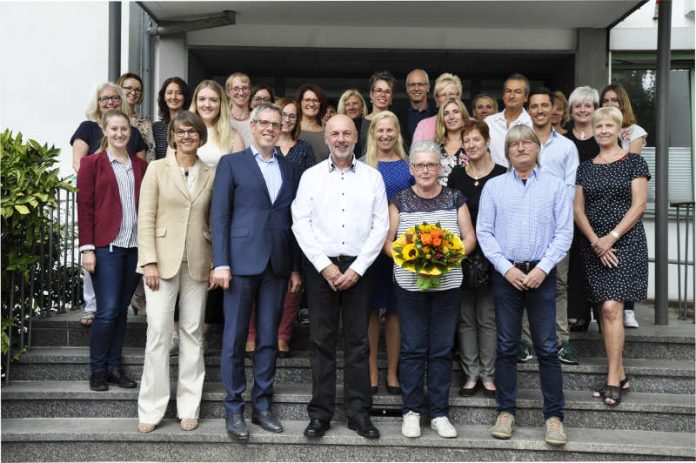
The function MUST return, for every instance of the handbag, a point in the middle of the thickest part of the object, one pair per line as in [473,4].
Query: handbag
[476,270]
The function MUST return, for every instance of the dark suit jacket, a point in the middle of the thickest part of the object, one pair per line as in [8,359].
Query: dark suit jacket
[98,202]
[402,113]
[248,230]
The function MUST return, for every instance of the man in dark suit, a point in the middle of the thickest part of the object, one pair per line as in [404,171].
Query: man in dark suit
[418,106]
[253,256]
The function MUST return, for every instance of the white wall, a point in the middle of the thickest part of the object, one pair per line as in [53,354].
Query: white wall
[639,30]
[54,54]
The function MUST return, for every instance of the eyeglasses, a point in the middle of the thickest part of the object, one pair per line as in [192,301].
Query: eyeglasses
[382,91]
[181,133]
[264,124]
[237,89]
[292,117]
[261,99]
[310,101]
[132,89]
[114,98]
[426,165]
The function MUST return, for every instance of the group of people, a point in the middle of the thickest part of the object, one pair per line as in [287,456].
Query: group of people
[248,199]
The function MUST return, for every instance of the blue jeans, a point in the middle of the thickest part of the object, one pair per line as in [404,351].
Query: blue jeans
[428,321]
[114,281]
[541,311]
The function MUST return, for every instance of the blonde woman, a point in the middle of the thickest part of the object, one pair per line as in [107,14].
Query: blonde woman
[447,86]
[559,114]
[385,153]
[449,125]
[209,103]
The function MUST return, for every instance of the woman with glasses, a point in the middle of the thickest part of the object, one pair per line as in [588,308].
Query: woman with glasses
[447,86]
[428,319]
[175,257]
[312,106]
[449,126]
[385,153]
[85,141]
[381,96]
[132,86]
[238,90]
[299,153]
[260,94]
[108,187]
[173,97]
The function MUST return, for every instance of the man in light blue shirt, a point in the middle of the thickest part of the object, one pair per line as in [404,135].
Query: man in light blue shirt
[559,157]
[525,227]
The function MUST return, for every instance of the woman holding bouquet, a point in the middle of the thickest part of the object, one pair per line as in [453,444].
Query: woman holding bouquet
[428,317]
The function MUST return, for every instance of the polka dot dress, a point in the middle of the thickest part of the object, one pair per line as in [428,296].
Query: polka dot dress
[607,191]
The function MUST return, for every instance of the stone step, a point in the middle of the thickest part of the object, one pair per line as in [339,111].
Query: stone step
[116,439]
[638,411]
[649,342]
[650,376]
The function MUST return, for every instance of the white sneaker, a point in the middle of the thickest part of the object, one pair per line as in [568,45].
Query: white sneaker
[630,319]
[411,425]
[444,428]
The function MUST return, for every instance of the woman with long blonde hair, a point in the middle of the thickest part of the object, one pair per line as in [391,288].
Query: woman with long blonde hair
[385,153]
[449,125]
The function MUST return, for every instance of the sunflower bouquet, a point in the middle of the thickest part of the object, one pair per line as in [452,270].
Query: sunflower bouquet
[428,250]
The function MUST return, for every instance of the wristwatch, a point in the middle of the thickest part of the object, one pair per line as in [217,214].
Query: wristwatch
[615,234]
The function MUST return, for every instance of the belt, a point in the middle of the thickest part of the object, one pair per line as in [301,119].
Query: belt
[338,259]
[525,265]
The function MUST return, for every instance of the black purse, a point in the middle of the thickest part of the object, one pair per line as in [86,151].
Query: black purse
[476,270]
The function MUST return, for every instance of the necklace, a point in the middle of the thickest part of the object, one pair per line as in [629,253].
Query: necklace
[582,135]
[240,118]
[607,157]
[481,173]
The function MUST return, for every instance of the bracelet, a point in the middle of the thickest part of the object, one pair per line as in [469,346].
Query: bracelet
[615,234]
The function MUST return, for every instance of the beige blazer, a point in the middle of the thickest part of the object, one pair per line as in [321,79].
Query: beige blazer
[170,220]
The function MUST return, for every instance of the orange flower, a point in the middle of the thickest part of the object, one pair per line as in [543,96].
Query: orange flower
[426,238]
[436,233]
[437,241]
[426,249]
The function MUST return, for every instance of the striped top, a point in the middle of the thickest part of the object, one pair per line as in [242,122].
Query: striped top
[414,210]
[127,236]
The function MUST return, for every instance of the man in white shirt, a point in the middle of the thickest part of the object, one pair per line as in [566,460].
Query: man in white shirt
[340,220]
[559,157]
[515,93]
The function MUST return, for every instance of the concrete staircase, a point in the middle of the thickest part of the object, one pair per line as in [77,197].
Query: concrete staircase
[49,413]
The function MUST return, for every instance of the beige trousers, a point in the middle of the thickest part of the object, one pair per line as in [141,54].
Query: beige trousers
[155,385]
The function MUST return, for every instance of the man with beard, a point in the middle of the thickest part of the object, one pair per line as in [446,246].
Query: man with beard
[340,220]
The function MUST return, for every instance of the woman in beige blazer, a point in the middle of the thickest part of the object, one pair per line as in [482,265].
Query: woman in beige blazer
[174,255]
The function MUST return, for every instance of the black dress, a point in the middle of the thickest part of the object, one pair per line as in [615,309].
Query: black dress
[607,192]
[578,305]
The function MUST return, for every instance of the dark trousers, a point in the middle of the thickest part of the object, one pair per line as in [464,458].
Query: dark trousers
[541,312]
[428,321]
[352,307]
[267,291]
[114,281]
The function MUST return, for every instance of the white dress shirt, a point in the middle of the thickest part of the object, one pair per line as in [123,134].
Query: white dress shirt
[559,157]
[498,130]
[341,213]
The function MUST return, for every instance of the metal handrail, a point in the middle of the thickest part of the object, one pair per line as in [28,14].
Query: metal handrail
[54,284]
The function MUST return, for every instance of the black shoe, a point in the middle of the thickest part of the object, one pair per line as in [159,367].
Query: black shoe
[97,382]
[284,354]
[489,393]
[374,389]
[249,354]
[364,427]
[121,379]
[316,428]
[393,390]
[580,326]
[468,391]
[266,420]
[236,426]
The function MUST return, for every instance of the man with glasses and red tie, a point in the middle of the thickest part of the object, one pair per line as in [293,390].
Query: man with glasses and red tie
[255,261]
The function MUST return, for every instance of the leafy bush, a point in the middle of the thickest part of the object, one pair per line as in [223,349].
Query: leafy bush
[29,192]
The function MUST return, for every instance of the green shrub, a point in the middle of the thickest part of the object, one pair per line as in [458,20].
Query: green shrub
[29,187]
